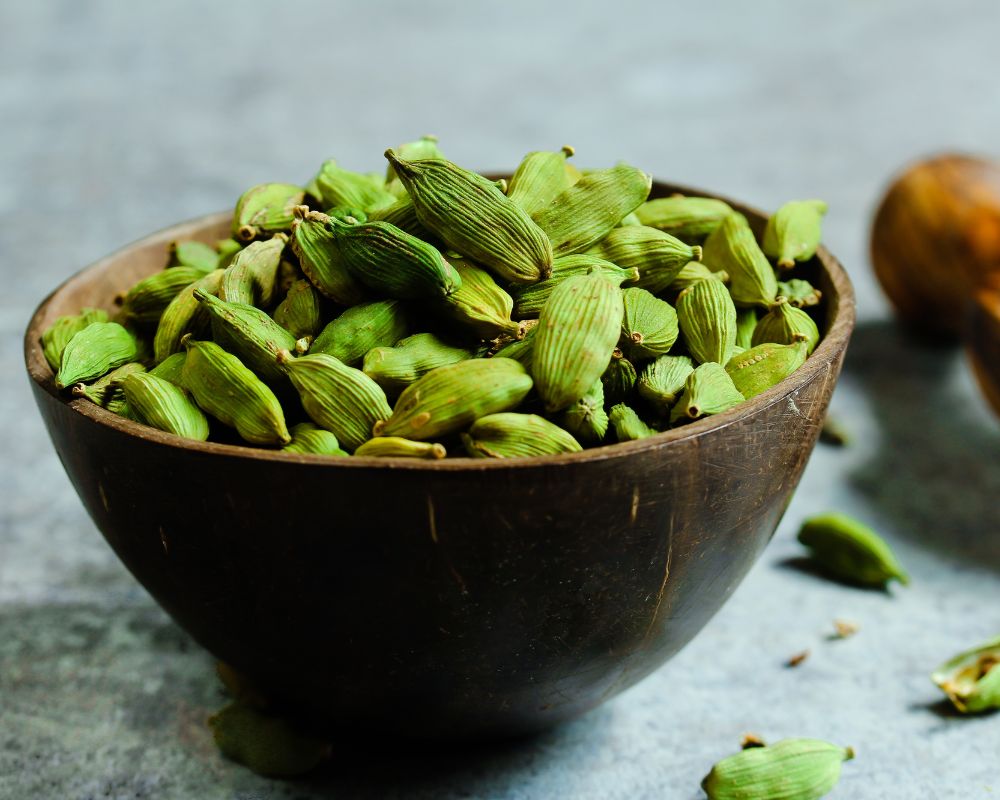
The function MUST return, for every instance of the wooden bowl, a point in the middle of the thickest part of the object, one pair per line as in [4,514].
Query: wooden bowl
[453,598]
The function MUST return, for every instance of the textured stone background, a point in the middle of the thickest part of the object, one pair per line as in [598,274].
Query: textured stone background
[117,119]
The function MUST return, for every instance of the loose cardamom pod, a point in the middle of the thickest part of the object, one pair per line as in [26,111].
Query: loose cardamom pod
[693,272]
[529,300]
[971,679]
[733,248]
[649,324]
[192,254]
[850,551]
[171,368]
[765,365]
[164,405]
[629,219]
[707,318]
[799,293]
[348,337]
[618,379]
[707,390]
[628,427]
[510,435]
[106,391]
[313,243]
[746,321]
[265,208]
[586,418]
[184,315]
[301,312]
[398,447]
[424,147]
[336,186]
[395,368]
[479,303]
[794,231]
[690,219]
[784,324]
[58,335]
[662,381]
[309,439]
[227,250]
[252,278]
[658,256]
[145,302]
[97,349]
[539,178]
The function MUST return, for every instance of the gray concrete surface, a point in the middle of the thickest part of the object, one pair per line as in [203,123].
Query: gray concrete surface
[117,119]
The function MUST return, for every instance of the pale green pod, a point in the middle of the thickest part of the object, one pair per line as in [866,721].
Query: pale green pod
[348,337]
[618,379]
[402,214]
[690,219]
[58,335]
[627,425]
[850,551]
[799,293]
[662,381]
[449,399]
[792,769]
[252,278]
[765,365]
[707,318]
[971,679]
[145,302]
[424,147]
[510,435]
[794,231]
[335,186]
[539,178]
[338,398]
[708,389]
[224,388]
[313,243]
[161,404]
[227,250]
[629,219]
[184,315]
[479,303]
[398,447]
[784,324]
[347,214]
[193,254]
[395,368]
[309,439]
[265,208]
[693,272]
[658,256]
[733,248]
[471,215]
[301,312]
[584,213]
[649,324]
[106,391]
[746,321]
[171,368]
[586,418]
[94,351]
[529,300]
[577,333]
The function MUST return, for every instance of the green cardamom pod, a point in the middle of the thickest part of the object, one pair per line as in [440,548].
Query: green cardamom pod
[223,387]
[649,324]
[145,302]
[471,215]
[618,379]
[529,300]
[398,447]
[850,551]
[336,186]
[693,272]
[106,391]
[521,350]
[94,351]
[171,368]
[252,278]
[539,178]
[784,324]
[450,398]
[690,219]
[733,248]
[662,381]
[746,321]
[347,214]
[479,303]
[265,208]
[628,427]
[765,365]
[799,293]
[970,679]
[792,769]
[313,243]
[658,256]
[586,418]
[395,368]
[707,318]
[308,439]
[708,389]
[424,147]
[184,315]
[402,214]
[339,398]
[301,312]
[577,333]
[164,405]
[227,250]
[584,213]
[193,254]
[510,435]
[629,219]
[794,231]
[58,335]
[347,338]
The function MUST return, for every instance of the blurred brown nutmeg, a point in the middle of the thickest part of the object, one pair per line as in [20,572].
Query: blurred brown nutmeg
[982,343]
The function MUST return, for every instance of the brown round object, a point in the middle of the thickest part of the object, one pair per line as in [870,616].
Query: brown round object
[935,236]
[982,343]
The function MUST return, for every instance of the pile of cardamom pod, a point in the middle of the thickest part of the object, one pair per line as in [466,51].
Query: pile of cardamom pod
[432,309]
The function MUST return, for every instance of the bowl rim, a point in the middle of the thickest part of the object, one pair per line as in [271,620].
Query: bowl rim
[833,343]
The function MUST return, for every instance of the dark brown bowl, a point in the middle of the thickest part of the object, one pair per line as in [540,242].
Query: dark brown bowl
[454,598]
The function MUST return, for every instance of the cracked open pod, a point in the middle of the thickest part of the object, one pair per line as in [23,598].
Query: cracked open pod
[457,597]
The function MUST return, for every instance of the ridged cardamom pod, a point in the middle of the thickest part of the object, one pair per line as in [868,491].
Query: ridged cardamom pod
[97,349]
[628,427]
[733,248]
[395,368]
[398,447]
[850,551]
[184,315]
[480,303]
[424,147]
[529,300]
[539,178]
[792,769]
[521,350]
[658,256]
[708,389]
[586,418]
[337,397]
[662,381]
[618,379]
[347,338]
[227,250]
[265,208]
[336,186]
[449,399]
[392,262]
[784,324]
[106,391]
[224,388]
[471,215]
[746,321]
[707,319]
[764,366]
[690,219]
[308,438]
[577,333]
[161,404]
[252,278]
[649,324]
[192,254]
[58,335]
[693,272]
[794,231]
[348,214]
[971,679]
[249,333]
[510,435]
[799,293]
[583,214]
[301,312]
[313,243]
[402,214]
[145,302]
[171,368]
